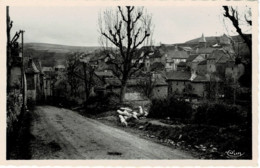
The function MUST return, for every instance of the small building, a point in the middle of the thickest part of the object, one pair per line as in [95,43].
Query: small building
[199,86]
[218,61]
[48,81]
[193,62]
[174,57]
[160,89]
[177,82]
[33,82]
[202,68]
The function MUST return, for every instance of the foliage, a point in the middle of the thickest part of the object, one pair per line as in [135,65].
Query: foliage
[172,108]
[218,114]
[102,103]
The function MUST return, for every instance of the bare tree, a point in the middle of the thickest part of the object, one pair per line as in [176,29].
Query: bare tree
[78,70]
[240,19]
[127,29]
[232,14]
[73,67]
[147,85]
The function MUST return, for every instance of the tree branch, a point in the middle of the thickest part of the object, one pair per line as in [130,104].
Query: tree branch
[122,14]
[234,19]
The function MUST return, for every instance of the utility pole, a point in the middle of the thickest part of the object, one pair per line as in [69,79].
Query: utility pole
[23,73]
[8,47]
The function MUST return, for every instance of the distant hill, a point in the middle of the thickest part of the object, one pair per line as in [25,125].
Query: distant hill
[53,54]
[213,39]
[58,48]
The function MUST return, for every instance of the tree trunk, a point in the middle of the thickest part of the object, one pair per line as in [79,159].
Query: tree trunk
[122,91]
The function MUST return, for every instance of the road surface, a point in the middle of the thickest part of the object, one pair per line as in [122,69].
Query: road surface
[64,134]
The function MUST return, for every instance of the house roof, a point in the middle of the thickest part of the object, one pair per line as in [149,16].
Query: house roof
[192,57]
[159,80]
[178,75]
[31,67]
[204,62]
[221,56]
[131,82]
[157,66]
[200,78]
[173,54]
[207,50]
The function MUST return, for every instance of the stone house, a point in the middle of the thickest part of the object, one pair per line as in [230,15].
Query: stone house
[34,90]
[48,81]
[193,62]
[160,89]
[177,82]
[202,68]
[133,91]
[199,86]
[173,58]
[218,61]
[183,83]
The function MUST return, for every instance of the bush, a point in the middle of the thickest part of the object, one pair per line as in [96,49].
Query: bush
[172,108]
[102,103]
[218,114]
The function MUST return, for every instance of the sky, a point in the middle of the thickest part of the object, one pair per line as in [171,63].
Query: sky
[78,25]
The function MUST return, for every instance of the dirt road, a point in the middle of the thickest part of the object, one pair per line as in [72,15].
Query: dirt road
[64,134]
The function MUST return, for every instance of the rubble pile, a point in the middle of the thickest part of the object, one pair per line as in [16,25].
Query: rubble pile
[125,114]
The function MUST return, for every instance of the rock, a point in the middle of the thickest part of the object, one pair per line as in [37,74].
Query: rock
[122,120]
[152,136]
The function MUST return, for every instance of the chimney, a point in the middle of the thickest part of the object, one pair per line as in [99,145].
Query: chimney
[176,48]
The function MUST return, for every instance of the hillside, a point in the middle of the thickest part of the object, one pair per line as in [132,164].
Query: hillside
[53,54]
[214,39]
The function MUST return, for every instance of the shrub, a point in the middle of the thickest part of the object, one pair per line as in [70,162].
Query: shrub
[173,108]
[218,114]
[102,102]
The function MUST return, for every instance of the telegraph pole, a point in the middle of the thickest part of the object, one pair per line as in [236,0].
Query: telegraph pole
[23,73]
[8,49]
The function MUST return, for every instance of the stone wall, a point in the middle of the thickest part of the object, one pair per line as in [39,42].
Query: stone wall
[14,106]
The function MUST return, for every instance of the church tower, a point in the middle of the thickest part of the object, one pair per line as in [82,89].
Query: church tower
[202,41]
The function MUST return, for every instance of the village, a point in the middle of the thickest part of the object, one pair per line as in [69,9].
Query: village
[172,92]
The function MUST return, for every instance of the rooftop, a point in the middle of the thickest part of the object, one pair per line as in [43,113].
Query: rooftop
[173,54]
[178,75]
[192,57]
[203,62]
[200,78]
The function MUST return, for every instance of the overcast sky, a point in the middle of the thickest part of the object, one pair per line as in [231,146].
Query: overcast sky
[78,26]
